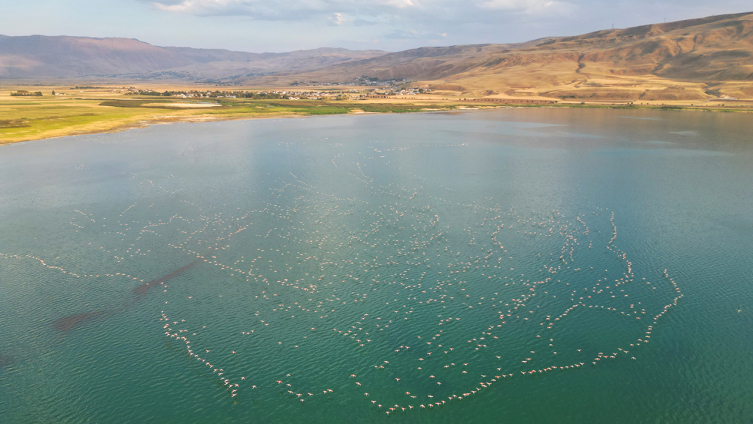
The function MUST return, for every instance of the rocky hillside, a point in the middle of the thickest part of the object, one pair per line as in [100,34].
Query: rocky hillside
[697,58]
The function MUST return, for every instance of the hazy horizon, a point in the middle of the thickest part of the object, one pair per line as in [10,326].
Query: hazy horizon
[390,25]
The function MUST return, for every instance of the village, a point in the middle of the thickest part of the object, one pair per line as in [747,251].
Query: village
[332,94]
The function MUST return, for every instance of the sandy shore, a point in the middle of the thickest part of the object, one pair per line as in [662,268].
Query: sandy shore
[171,119]
[161,121]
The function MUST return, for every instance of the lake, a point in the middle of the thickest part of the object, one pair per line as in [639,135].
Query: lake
[513,265]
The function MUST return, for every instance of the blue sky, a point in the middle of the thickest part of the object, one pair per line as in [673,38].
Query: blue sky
[284,25]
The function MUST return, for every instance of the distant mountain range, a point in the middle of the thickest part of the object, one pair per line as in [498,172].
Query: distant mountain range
[717,48]
[698,58]
[63,57]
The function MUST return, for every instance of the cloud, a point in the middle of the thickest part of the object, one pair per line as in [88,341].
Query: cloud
[284,10]
[361,11]
[261,9]
[525,6]
[395,22]
[338,19]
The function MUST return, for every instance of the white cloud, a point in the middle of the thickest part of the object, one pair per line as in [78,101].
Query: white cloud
[395,22]
[526,6]
[282,10]
[338,19]
[360,10]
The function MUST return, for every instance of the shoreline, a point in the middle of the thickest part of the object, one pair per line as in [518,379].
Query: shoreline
[149,123]
[173,119]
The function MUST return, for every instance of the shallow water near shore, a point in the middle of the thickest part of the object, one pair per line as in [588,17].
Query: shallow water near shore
[521,265]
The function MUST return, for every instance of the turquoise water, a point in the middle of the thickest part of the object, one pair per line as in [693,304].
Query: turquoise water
[520,265]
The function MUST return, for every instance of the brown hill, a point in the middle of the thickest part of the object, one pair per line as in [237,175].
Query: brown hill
[685,60]
[65,57]
[40,56]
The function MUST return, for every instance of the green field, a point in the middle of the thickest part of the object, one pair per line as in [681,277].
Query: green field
[55,116]
[96,111]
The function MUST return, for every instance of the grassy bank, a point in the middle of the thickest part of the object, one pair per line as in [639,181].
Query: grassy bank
[96,111]
[56,116]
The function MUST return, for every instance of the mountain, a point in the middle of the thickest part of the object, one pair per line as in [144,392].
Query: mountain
[64,57]
[39,56]
[685,60]
[691,59]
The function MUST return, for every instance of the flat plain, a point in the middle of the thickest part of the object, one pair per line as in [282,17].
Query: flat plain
[107,108]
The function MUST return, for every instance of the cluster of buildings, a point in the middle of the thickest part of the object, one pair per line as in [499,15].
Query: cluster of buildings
[206,94]
[389,89]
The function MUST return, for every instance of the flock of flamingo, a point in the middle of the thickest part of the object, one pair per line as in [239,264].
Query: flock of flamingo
[400,293]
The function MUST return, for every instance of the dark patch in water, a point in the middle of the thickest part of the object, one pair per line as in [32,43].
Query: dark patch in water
[144,288]
[5,360]
[72,321]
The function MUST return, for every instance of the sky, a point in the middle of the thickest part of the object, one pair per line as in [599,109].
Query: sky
[392,25]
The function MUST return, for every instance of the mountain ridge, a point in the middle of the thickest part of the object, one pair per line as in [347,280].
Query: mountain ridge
[59,57]
[691,59]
